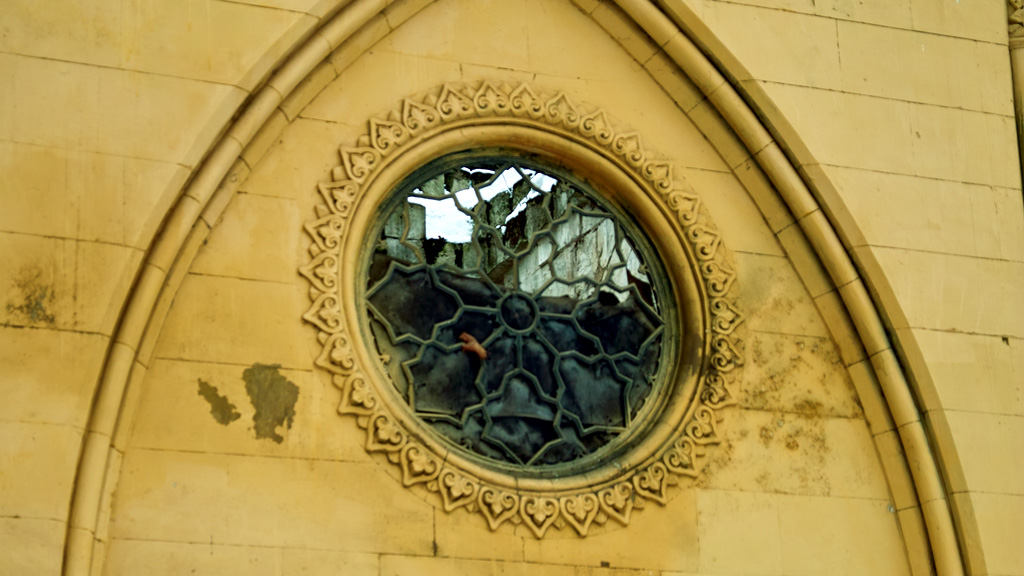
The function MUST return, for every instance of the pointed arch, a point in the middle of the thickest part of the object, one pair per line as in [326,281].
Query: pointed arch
[778,151]
[772,155]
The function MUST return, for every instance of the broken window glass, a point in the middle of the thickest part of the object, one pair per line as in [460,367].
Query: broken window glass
[515,311]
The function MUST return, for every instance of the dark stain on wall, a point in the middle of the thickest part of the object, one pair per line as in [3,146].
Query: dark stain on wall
[273,397]
[35,297]
[223,411]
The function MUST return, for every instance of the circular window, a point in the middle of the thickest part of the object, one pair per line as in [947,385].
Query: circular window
[528,313]
[517,312]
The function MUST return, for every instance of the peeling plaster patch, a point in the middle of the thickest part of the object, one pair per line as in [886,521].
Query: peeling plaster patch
[36,295]
[223,411]
[273,397]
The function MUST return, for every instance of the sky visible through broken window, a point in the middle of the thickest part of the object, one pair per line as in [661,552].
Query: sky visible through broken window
[444,220]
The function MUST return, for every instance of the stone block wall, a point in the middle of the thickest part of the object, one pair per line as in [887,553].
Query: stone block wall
[898,113]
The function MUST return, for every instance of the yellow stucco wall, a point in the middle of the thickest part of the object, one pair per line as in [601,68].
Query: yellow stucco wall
[897,114]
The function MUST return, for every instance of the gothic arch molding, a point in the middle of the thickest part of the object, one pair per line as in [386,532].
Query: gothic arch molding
[678,33]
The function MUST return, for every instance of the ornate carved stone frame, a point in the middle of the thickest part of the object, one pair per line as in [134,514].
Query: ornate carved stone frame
[459,117]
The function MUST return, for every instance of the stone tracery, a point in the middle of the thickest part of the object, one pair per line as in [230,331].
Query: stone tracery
[579,502]
[544,290]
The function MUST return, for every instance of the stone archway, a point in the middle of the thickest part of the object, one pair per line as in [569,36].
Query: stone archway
[716,107]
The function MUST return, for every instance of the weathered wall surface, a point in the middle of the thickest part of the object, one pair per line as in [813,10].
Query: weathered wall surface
[902,111]
[906,109]
[797,476]
[107,107]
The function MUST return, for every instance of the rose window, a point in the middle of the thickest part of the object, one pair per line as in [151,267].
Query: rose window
[516,312]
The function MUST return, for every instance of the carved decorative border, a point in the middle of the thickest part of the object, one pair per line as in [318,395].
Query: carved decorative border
[1015,18]
[673,460]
